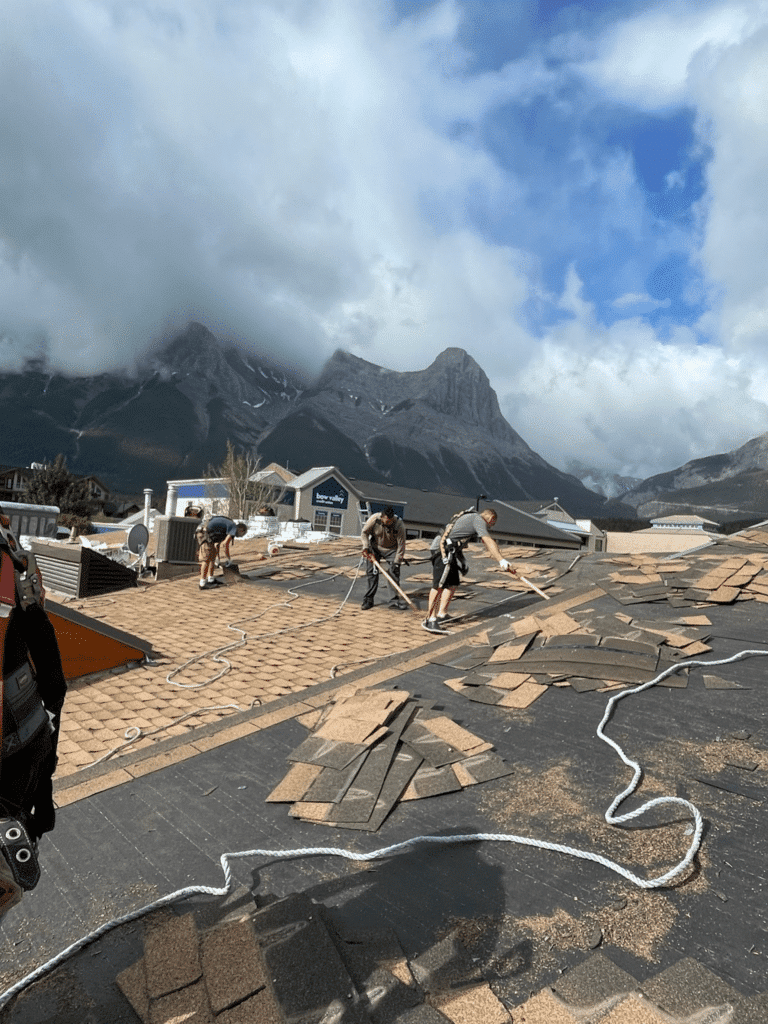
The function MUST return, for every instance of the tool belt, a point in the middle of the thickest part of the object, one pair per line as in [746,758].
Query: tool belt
[20,852]
[23,713]
[454,555]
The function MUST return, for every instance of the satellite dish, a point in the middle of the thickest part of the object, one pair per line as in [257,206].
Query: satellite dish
[137,539]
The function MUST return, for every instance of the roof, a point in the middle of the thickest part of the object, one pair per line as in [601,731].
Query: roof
[311,476]
[164,808]
[435,509]
[684,519]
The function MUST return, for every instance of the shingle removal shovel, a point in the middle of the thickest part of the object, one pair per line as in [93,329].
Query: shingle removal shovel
[533,587]
[395,587]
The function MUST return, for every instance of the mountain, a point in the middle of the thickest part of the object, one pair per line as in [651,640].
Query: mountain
[610,485]
[724,485]
[439,428]
[171,421]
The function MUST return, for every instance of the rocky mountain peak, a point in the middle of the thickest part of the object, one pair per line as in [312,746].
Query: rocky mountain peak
[453,385]
[194,350]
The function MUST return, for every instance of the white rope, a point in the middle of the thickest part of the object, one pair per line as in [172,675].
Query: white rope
[135,732]
[216,653]
[386,851]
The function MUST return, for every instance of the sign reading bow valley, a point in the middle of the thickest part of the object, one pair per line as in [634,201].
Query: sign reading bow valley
[330,494]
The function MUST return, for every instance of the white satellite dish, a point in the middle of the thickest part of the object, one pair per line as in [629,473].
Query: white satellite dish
[137,539]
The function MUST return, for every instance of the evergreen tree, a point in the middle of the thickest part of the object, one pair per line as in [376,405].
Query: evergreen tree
[55,485]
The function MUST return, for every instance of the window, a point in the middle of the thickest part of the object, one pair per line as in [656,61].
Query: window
[321,521]
[335,526]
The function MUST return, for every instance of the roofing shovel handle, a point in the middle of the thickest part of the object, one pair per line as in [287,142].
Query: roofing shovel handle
[534,587]
[395,586]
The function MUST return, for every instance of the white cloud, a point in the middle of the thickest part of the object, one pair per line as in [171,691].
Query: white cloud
[291,174]
[635,405]
[646,60]
[640,299]
[675,179]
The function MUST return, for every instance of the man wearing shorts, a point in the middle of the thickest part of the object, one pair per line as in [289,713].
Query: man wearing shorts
[210,537]
[446,554]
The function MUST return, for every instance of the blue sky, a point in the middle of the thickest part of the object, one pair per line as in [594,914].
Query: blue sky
[571,190]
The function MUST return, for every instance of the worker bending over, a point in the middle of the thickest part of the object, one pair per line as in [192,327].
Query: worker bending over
[209,537]
[447,556]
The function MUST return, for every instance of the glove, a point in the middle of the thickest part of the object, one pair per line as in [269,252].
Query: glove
[504,564]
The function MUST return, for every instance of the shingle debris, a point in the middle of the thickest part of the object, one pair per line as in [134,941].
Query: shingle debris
[518,659]
[370,749]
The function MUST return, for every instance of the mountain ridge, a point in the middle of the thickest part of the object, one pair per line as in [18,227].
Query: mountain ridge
[438,428]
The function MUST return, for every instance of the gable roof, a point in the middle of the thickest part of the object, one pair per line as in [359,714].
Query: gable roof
[313,475]
[435,509]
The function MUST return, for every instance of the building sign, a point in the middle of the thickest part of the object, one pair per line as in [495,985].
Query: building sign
[330,494]
[379,506]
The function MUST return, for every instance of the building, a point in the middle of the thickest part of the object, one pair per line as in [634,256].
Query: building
[14,479]
[212,493]
[13,482]
[552,513]
[667,534]
[333,503]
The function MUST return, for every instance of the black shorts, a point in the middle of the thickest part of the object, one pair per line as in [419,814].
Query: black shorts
[438,568]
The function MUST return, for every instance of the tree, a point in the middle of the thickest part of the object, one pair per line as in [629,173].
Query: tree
[55,485]
[245,495]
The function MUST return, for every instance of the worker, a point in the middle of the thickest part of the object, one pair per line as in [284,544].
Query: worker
[383,537]
[447,557]
[33,691]
[210,536]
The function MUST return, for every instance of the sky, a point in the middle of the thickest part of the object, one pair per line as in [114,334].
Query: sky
[573,191]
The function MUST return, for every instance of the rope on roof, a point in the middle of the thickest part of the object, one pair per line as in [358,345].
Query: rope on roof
[387,851]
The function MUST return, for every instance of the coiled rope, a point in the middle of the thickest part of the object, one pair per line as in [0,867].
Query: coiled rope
[386,851]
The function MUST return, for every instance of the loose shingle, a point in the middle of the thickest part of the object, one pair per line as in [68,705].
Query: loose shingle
[232,964]
[171,954]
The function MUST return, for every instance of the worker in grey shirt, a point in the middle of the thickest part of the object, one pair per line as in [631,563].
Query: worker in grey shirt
[383,537]
[446,554]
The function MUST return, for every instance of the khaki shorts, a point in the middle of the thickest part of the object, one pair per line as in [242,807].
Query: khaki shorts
[207,551]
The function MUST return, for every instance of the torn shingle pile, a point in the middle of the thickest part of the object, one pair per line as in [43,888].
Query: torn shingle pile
[520,659]
[370,749]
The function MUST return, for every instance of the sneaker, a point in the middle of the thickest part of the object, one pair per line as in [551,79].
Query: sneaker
[216,583]
[445,618]
[366,605]
[433,626]
[401,606]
